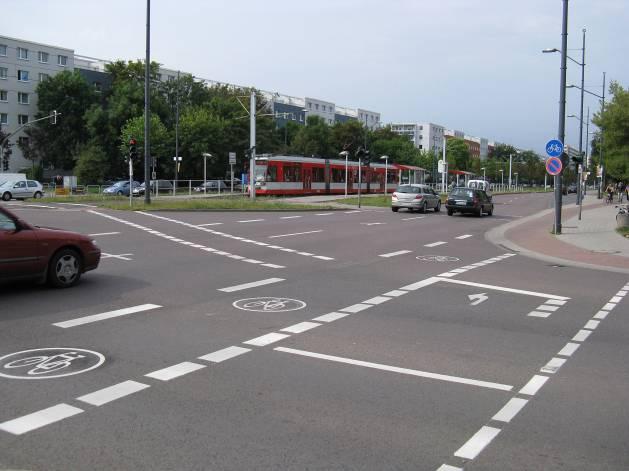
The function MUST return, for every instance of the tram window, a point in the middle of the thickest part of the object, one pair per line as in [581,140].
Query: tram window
[338,175]
[318,175]
[271,175]
[292,173]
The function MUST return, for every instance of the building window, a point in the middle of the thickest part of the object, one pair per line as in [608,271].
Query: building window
[309,105]
[4,118]
[62,60]
[22,98]
[3,50]
[23,141]
[317,106]
[43,76]
[4,96]
[22,119]
[3,73]
[22,53]
[42,57]
[323,107]
[97,86]
[22,75]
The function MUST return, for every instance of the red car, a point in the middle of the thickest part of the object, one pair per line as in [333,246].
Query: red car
[43,254]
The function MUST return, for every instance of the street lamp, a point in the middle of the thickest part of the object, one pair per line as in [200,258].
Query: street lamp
[386,171]
[205,156]
[502,179]
[305,111]
[483,169]
[516,180]
[346,154]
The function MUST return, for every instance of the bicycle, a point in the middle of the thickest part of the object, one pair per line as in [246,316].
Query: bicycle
[610,198]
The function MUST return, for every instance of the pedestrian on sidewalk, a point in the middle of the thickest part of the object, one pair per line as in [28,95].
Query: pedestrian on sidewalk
[622,192]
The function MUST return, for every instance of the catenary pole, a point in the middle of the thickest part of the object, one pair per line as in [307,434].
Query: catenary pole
[562,113]
[147,108]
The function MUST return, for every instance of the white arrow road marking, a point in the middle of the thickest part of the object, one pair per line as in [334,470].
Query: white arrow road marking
[477,298]
[122,256]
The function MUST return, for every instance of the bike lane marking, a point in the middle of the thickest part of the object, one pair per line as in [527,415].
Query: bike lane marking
[111,393]
[175,371]
[106,315]
[49,360]
[253,284]
[39,419]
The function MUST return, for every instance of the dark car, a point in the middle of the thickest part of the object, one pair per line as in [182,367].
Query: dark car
[163,186]
[470,201]
[43,254]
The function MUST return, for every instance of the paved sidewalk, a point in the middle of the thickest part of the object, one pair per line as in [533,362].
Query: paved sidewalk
[591,242]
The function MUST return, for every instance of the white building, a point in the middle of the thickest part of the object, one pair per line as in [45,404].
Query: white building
[425,136]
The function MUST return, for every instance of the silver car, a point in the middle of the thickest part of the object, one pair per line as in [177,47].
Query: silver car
[20,189]
[414,196]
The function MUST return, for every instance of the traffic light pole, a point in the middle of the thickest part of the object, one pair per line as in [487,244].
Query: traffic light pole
[562,114]
[147,109]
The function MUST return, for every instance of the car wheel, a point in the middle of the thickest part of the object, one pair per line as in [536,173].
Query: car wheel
[479,212]
[119,193]
[450,212]
[64,269]
[438,207]
[37,195]
[424,207]
[395,210]
[6,196]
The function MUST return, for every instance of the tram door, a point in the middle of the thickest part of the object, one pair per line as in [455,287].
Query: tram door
[307,179]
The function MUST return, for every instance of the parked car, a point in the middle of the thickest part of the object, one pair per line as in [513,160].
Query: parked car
[413,196]
[212,185]
[470,201]
[163,186]
[572,188]
[120,188]
[20,189]
[43,254]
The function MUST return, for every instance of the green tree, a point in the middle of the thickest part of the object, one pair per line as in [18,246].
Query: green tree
[457,154]
[314,139]
[92,165]
[160,143]
[349,136]
[502,152]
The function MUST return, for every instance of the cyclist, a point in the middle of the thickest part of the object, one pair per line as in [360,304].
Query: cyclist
[610,194]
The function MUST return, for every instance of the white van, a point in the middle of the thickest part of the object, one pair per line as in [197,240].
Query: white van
[11,176]
[478,185]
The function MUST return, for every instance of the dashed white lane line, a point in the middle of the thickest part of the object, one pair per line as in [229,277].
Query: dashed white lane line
[556,302]
[601,315]
[539,314]
[266,339]
[591,325]
[106,315]
[251,220]
[464,236]
[103,234]
[553,365]
[377,300]
[445,467]
[39,419]
[508,290]
[352,212]
[175,371]
[477,443]
[253,284]
[582,335]
[435,244]
[510,410]
[395,369]
[568,349]
[299,328]
[331,317]
[111,393]
[210,224]
[290,217]
[294,234]
[394,254]
[395,293]
[356,308]
[412,219]
[323,214]
[224,354]
[372,223]
[534,385]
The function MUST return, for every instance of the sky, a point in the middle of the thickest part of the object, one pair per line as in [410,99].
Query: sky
[470,65]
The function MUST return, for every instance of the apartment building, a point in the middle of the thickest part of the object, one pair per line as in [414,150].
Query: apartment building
[424,136]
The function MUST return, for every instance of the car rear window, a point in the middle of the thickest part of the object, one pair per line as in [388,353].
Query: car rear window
[408,189]
[463,193]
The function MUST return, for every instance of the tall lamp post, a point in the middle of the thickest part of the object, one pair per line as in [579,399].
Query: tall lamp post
[516,180]
[483,169]
[502,179]
[386,172]
[205,156]
[346,154]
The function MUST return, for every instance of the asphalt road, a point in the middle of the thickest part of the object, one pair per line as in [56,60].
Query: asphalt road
[318,340]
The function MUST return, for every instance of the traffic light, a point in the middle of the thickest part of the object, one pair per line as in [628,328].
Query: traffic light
[133,152]
[577,159]
[367,158]
[5,164]
[6,155]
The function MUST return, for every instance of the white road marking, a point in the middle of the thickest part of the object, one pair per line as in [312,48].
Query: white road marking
[556,302]
[377,300]
[568,349]
[299,328]
[395,293]
[582,335]
[508,290]
[435,244]
[477,443]
[510,410]
[323,214]
[294,234]
[266,339]
[106,315]
[210,224]
[103,396]
[395,369]
[539,314]
[38,419]
[352,212]
[553,365]
[544,307]
[251,220]
[103,234]
[412,219]
[321,257]
[224,354]
[445,467]
[122,256]
[393,254]
[621,293]
[609,306]
[422,283]
[331,317]
[464,236]
[356,308]
[372,223]
[592,325]
[175,371]
[253,284]
[534,385]
[601,315]
[290,217]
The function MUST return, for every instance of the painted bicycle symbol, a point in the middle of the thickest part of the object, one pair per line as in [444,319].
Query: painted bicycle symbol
[437,258]
[42,363]
[269,304]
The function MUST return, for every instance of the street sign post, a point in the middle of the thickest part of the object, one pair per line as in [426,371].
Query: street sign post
[232,161]
[554,166]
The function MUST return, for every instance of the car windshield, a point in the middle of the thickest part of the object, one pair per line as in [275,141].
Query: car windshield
[408,189]
[462,193]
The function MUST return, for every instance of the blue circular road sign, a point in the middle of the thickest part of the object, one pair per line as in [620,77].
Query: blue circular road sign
[554,165]
[554,148]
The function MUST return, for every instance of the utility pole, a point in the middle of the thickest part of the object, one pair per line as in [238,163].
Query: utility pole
[562,114]
[147,109]
[252,145]
[580,175]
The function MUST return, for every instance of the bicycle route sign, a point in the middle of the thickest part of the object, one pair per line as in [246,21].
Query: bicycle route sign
[269,304]
[554,148]
[46,363]
[553,165]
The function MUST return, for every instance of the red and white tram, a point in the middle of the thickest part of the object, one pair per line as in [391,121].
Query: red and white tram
[293,175]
